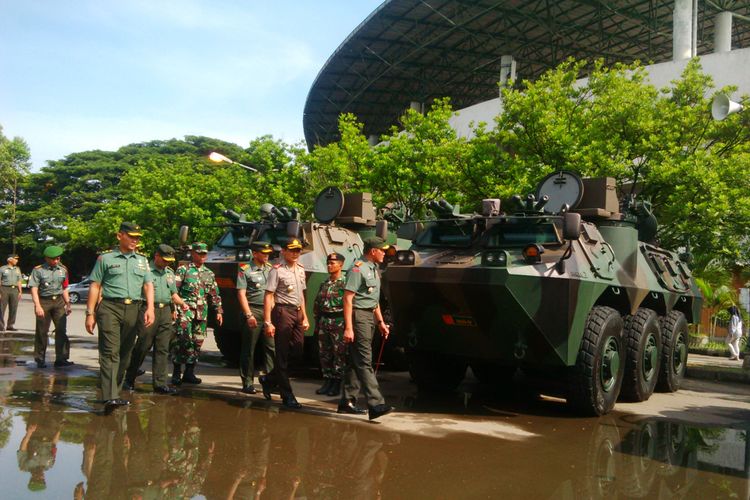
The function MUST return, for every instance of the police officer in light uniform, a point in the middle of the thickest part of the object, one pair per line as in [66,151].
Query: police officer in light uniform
[11,283]
[285,319]
[251,289]
[361,315]
[123,279]
[160,333]
[49,291]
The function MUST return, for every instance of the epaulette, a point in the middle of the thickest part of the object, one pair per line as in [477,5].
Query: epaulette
[37,267]
[358,263]
[244,266]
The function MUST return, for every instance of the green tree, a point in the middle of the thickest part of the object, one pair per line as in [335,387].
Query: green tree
[14,167]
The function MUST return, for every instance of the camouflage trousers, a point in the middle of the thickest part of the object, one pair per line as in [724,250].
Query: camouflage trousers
[332,349]
[188,339]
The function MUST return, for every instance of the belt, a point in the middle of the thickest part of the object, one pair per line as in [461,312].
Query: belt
[162,305]
[123,301]
[339,314]
[289,306]
[49,297]
[10,286]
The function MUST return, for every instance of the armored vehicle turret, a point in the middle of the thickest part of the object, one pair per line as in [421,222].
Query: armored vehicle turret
[570,286]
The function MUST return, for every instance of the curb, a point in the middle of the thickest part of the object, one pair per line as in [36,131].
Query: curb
[718,374]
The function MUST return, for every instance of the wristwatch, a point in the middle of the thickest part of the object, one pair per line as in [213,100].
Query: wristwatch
[89,313]
[248,315]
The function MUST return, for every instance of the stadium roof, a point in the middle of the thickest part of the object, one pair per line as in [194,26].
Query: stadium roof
[418,50]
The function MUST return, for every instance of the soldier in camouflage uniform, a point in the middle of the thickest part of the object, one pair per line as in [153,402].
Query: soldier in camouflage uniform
[329,325]
[196,286]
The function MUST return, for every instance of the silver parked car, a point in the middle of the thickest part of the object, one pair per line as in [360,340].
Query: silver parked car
[79,291]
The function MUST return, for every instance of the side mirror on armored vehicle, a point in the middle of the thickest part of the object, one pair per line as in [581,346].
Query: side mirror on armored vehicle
[571,226]
[381,229]
[183,236]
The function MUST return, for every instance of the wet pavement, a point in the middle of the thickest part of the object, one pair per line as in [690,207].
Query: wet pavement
[213,442]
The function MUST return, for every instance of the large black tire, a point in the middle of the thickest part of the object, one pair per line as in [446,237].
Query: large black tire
[433,372]
[228,342]
[674,329]
[595,380]
[642,336]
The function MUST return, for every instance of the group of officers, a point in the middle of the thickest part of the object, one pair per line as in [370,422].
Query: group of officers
[139,306]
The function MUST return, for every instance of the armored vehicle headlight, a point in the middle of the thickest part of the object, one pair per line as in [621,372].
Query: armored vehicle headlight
[405,257]
[532,253]
[496,258]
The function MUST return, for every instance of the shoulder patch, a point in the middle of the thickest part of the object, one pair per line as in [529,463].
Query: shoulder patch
[244,266]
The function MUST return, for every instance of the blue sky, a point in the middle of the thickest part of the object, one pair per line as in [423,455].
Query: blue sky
[77,75]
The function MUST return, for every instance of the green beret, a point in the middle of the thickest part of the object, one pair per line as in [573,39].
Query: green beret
[53,252]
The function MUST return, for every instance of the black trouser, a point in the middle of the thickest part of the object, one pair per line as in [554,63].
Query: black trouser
[249,339]
[289,333]
[9,298]
[158,336]
[54,312]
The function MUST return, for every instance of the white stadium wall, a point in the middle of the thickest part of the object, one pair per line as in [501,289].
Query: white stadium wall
[726,68]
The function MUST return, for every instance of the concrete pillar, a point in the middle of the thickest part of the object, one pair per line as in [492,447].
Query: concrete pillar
[507,69]
[723,32]
[417,106]
[373,140]
[682,30]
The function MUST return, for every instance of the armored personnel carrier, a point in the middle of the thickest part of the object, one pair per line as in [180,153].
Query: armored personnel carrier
[571,288]
[341,223]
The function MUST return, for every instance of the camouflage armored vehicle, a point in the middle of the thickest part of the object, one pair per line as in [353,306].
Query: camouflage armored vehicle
[570,288]
[341,223]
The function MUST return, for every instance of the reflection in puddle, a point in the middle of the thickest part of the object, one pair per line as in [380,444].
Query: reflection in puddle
[178,447]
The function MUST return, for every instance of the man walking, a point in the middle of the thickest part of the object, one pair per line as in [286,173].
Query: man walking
[329,323]
[361,314]
[11,283]
[196,286]
[251,289]
[123,279]
[285,319]
[49,291]
[160,333]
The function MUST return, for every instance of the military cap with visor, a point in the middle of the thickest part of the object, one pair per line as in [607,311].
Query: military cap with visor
[293,244]
[53,252]
[12,256]
[131,228]
[261,246]
[333,256]
[166,252]
[199,247]
[375,242]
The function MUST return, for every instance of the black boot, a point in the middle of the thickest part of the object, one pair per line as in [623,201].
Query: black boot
[176,374]
[335,389]
[189,377]
[325,387]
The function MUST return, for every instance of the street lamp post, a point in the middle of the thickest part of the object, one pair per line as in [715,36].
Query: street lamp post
[218,158]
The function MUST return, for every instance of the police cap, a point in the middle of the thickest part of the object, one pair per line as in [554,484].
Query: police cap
[166,252]
[261,246]
[294,243]
[131,228]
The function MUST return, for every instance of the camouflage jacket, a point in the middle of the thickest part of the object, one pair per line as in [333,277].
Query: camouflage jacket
[330,298]
[197,287]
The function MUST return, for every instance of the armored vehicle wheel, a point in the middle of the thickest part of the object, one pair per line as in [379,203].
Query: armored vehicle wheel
[594,382]
[228,342]
[434,372]
[674,330]
[643,343]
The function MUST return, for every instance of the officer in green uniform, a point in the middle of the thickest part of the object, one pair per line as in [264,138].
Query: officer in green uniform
[251,288]
[329,326]
[160,333]
[123,279]
[361,314]
[49,291]
[11,283]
